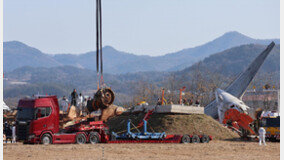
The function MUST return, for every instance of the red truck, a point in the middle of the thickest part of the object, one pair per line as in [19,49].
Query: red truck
[37,121]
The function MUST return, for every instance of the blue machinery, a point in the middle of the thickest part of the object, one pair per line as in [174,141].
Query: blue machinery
[140,135]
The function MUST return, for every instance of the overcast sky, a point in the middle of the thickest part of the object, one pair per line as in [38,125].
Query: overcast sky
[152,27]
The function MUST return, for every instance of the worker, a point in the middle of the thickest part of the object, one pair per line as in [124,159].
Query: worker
[64,104]
[170,101]
[89,105]
[159,101]
[80,102]
[5,130]
[4,138]
[13,132]
[262,133]
[8,131]
[197,102]
[81,98]
[74,97]
[84,107]
[184,101]
[190,102]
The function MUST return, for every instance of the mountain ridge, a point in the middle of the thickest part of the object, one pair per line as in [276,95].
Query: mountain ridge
[117,62]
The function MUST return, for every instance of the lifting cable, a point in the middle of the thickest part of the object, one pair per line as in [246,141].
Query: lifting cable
[101,48]
[99,52]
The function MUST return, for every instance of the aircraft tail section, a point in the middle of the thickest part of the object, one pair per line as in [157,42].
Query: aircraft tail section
[240,84]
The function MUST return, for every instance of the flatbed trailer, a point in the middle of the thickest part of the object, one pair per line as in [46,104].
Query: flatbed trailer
[148,137]
[168,139]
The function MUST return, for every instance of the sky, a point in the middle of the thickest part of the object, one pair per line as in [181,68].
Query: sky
[144,27]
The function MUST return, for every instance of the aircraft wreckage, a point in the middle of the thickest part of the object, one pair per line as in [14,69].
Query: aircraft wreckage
[240,84]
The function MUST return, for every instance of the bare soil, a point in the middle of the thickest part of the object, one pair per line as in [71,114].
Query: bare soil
[215,150]
[176,124]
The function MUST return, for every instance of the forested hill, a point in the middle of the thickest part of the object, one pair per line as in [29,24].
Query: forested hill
[222,66]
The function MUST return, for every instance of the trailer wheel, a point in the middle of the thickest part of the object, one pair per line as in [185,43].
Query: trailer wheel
[185,139]
[94,137]
[205,139]
[195,139]
[81,138]
[46,139]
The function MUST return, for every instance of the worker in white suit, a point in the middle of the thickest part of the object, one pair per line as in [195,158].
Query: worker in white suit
[262,133]
[14,132]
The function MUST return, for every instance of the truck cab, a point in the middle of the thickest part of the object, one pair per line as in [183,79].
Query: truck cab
[37,121]
[37,116]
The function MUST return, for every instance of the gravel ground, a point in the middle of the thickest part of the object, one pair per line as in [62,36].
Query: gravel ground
[219,150]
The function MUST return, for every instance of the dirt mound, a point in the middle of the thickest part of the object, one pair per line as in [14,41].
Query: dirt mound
[176,124]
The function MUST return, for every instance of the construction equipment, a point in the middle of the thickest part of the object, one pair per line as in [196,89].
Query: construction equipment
[153,137]
[233,113]
[140,135]
[272,126]
[37,121]
[248,127]
[163,95]
[180,94]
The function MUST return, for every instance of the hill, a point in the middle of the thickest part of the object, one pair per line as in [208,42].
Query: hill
[231,61]
[122,62]
[82,79]
[17,54]
[220,69]
[187,57]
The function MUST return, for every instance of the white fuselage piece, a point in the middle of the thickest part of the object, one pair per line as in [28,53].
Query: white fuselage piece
[227,101]
[5,107]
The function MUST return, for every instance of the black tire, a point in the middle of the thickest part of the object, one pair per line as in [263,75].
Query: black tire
[205,139]
[185,139]
[46,139]
[81,138]
[195,139]
[94,137]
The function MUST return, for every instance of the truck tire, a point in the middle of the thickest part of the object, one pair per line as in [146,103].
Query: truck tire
[195,139]
[185,139]
[81,138]
[205,139]
[46,139]
[94,137]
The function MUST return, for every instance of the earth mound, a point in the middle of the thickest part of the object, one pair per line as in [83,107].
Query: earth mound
[175,124]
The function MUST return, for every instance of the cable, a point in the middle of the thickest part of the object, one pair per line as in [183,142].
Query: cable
[101,48]
[97,42]
[99,53]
